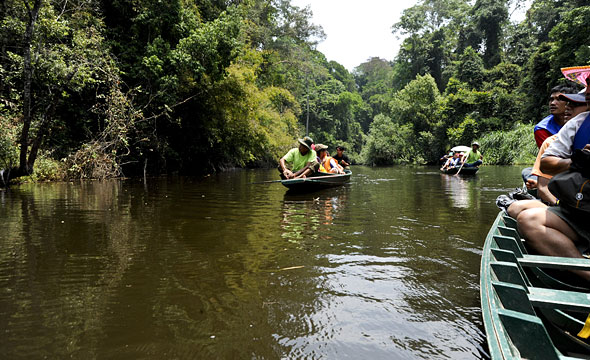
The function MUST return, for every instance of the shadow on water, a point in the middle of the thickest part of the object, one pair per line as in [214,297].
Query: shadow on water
[384,267]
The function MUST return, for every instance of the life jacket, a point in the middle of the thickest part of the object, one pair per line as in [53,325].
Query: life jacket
[326,164]
[548,124]
[583,134]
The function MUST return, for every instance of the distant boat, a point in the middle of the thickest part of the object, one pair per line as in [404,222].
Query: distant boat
[317,182]
[464,170]
[532,308]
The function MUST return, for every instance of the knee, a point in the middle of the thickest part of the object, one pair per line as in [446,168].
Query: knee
[515,209]
[530,220]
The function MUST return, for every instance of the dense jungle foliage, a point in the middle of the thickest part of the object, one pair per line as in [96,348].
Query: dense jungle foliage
[97,88]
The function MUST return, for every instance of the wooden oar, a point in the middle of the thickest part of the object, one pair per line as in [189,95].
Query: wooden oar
[461,168]
[265,182]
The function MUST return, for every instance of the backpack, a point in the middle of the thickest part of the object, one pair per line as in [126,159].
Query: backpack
[572,187]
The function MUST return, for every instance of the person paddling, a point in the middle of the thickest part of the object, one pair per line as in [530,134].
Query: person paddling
[473,157]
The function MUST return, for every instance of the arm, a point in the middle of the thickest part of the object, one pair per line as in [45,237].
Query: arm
[554,165]
[288,173]
[335,167]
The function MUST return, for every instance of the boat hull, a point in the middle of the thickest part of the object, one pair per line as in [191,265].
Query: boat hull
[317,182]
[518,293]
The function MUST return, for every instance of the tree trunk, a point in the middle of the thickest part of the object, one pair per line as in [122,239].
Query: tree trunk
[27,79]
[47,117]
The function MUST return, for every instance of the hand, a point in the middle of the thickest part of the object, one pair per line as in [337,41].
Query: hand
[288,173]
[531,184]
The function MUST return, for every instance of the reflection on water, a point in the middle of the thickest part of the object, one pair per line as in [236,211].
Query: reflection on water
[462,190]
[309,216]
[384,267]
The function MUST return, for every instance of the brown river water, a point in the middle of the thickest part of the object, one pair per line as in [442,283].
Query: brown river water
[386,267]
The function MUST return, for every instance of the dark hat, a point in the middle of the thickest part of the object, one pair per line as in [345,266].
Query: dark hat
[307,142]
[320,147]
[577,98]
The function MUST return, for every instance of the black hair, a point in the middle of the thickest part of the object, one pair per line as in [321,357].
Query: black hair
[564,89]
[340,148]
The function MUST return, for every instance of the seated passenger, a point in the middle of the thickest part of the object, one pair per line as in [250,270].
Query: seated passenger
[575,104]
[342,159]
[452,162]
[327,163]
[561,230]
[302,159]
[473,157]
[547,127]
[552,123]
[443,160]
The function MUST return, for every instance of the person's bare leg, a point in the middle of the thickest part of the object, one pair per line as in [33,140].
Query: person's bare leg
[548,234]
[305,173]
[519,206]
[544,192]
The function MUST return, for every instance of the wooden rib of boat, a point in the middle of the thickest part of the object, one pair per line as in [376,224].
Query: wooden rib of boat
[464,171]
[317,182]
[528,311]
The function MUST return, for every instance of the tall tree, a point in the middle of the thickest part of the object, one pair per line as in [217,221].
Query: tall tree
[490,17]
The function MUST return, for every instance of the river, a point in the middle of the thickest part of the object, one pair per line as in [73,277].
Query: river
[386,267]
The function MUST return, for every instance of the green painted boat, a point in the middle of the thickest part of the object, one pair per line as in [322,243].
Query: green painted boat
[317,182]
[530,308]
[464,171]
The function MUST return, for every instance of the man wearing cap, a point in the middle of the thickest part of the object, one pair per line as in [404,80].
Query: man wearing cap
[576,104]
[547,127]
[302,159]
[473,157]
[559,230]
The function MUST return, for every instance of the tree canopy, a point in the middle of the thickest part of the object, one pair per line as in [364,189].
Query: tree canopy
[104,88]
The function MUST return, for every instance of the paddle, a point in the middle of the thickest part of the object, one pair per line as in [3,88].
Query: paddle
[461,168]
[265,182]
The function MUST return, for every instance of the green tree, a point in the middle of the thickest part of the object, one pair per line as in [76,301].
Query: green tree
[389,143]
[490,17]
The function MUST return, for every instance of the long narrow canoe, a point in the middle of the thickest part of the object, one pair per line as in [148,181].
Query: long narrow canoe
[527,311]
[317,182]
[464,171]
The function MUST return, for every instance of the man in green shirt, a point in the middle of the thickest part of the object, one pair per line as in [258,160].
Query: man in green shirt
[473,157]
[302,159]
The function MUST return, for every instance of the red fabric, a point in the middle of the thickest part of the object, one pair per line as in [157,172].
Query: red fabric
[541,135]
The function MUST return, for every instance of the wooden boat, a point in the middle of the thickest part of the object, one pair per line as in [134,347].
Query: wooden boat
[317,182]
[529,312]
[464,171]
